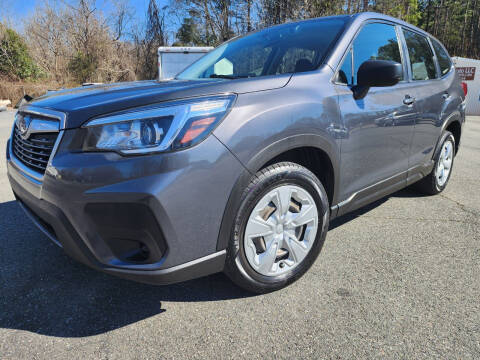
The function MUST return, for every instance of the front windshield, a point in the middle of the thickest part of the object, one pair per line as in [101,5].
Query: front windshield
[289,48]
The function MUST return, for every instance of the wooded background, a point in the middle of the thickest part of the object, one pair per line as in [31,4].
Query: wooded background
[64,43]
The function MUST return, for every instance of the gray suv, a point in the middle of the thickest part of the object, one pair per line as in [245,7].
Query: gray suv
[239,163]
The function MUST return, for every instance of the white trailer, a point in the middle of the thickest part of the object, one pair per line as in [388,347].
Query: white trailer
[173,59]
[469,72]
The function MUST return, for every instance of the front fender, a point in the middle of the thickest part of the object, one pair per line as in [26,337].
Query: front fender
[265,124]
[261,158]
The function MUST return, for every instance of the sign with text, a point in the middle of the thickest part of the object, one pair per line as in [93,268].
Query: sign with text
[466,73]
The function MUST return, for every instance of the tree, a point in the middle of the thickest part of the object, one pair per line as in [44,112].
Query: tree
[147,40]
[15,60]
[188,33]
[215,18]
[75,40]
[82,66]
[278,11]
[46,39]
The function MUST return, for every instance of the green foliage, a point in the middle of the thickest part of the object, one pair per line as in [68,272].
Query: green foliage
[75,40]
[15,60]
[82,67]
[413,14]
[454,22]
[188,34]
[407,10]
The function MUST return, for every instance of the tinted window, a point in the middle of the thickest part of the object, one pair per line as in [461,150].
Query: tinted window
[421,56]
[375,42]
[297,60]
[443,59]
[344,75]
[287,48]
[250,61]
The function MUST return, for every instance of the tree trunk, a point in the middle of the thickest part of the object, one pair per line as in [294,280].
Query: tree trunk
[249,20]
[462,50]
[225,16]
[474,25]
[427,27]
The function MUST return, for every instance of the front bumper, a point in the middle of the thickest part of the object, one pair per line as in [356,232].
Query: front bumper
[100,206]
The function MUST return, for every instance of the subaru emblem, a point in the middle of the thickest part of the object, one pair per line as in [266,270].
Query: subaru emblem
[23,123]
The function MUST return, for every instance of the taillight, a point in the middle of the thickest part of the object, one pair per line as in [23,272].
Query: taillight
[465,88]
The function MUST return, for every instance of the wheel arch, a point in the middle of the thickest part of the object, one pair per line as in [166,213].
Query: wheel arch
[456,129]
[282,150]
[454,125]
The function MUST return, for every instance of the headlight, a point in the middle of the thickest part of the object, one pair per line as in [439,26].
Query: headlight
[169,126]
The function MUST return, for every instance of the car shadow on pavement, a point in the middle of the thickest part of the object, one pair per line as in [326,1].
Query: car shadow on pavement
[42,290]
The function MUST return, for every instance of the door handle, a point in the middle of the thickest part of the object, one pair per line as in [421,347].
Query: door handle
[408,100]
[445,95]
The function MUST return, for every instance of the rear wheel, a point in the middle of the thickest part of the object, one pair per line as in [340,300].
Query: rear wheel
[437,180]
[279,229]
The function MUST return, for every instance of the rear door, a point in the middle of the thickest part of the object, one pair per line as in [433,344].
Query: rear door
[430,91]
[378,129]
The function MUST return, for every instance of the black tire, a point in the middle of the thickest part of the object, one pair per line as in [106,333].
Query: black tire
[237,266]
[429,185]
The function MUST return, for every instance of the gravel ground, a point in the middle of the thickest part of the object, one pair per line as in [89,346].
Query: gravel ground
[398,279]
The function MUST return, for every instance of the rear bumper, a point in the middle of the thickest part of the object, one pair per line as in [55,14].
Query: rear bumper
[173,203]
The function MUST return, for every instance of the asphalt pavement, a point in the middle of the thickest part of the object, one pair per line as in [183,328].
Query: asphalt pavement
[399,279]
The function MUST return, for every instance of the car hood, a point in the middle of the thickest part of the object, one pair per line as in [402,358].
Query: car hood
[84,103]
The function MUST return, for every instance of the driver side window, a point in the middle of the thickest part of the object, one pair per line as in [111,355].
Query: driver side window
[376,41]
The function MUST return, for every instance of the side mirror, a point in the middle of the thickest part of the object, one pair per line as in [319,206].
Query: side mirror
[376,73]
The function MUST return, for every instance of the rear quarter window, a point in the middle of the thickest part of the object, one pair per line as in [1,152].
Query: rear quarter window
[444,61]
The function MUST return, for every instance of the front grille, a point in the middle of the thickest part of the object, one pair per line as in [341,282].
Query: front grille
[35,151]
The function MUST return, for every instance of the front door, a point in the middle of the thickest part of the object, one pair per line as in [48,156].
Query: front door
[378,128]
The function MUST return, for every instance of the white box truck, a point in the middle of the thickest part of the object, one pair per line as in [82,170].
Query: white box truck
[173,59]
[469,72]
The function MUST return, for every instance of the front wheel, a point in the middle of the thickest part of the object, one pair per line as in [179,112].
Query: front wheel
[437,180]
[279,229]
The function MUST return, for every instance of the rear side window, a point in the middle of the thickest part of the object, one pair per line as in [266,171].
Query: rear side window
[443,59]
[376,41]
[421,56]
